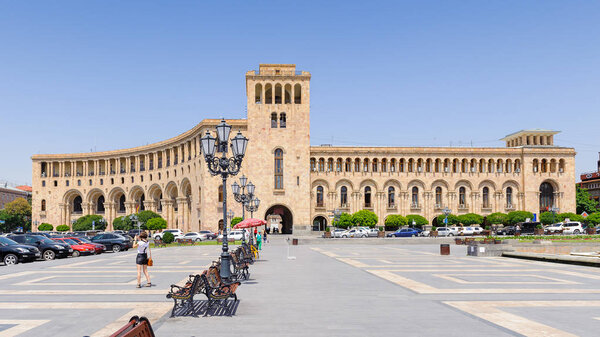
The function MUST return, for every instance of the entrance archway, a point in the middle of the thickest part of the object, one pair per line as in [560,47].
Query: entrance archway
[319,223]
[287,220]
[434,222]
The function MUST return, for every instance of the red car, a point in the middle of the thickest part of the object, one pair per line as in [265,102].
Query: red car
[78,248]
[98,248]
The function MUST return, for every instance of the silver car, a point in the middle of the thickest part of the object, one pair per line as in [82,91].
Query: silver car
[355,233]
[337,233]
[195,236]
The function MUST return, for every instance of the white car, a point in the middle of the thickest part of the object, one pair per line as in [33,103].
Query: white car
[337,233]
[554,228]
[444,231]
[235,234]
[177,234]
[572,228]
[477,230]
[467,231]
[355,233]
[454,231]
[196,236]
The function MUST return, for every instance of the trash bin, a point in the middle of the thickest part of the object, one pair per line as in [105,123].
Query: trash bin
[444,249]
[294,242]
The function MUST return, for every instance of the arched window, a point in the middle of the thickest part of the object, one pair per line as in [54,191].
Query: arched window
[278,95]
[77,205]
[482,166]
[509,197]
[553,165]
[288,93]
[356,165]
[499,165]
[561,166]
[401,165]
[279,169]
[508,166]
[321,165]
[411,163]
[100,204]
[319,196]
[43,205]
[274,120]
[313,164]
[384,165]
[393,165]
[338,165]
[473,165]
[455,166]
[462,196]
[330,165]
[220,193]
[368,196]
[535,165]
[122,203]
[297,94]
[544,166]
[546,197]
[438,165]
[343,196]
[517,166]
[415,197]
[428,165]
[366,165]
[491,166]
[486,197]
[419,165]
[282,120]
[464,166]
[375,164]
[447,165]
[348,167]
[391,197]
[268,94]
[438,197]
[258,93]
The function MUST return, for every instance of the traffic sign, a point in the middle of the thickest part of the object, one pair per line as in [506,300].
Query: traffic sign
[584,214]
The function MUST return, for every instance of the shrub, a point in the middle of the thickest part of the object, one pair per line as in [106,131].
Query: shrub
[470,219]
[144,216]
[452,220]
[122,223]
[236,221]
[419,220]
[156,224]
[62,228]
[395,221]
[497,218]
[45,227]
[593,218]
[518,216]
[345,221]
[168,237]
[364,218]
[327,229]
[547,218]
[571,216]
[85,223]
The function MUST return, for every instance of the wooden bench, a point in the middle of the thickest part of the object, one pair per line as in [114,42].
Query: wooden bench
[158,242]
[216,291]
[247,254]
[137,327]
[185,241]
[240,266]
[184,296]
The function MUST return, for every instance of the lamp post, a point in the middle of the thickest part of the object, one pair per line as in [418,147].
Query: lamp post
[36,223]
[224,166]
[135,220]
[554,211]
[446,212]
[230,215]
[252,206]
[240,196]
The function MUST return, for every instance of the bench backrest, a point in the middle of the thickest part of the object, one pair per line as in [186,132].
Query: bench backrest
[136,327]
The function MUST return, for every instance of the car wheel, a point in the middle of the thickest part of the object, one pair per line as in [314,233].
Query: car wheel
[76,253]
[49,254]
[363,236]
[344,236]
[116,248]
[450,234]
[413,236]
[198,240]
[10,259]
[576,232]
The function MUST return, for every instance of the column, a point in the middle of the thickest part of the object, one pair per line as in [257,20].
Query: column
[149,205]
[166,205]
[181,210]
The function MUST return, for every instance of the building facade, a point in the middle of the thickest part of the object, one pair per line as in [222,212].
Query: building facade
[299,182]
[9,193]
[591,182]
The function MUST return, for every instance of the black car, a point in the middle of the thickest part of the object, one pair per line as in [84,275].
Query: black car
[50,249]
[113,242]
[11,252]
[528,227]
[209,235]
[134,232]
[508,230]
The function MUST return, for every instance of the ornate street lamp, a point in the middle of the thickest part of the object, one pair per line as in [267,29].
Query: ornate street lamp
[239,193]
[554,210]
[224,166]
[135,220]
[252,206]
[446,212]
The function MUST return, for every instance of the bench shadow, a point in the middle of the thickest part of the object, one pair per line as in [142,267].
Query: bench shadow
[200,308]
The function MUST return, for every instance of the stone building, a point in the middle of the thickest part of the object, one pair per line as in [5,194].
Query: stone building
[302,183]
[591,182]
[9,194]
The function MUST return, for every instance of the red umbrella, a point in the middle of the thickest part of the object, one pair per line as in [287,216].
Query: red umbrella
[250,223]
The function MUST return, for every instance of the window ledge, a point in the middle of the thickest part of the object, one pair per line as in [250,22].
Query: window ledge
[278,191]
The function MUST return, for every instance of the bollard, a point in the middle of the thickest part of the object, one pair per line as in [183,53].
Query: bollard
[294,242]
[444,249]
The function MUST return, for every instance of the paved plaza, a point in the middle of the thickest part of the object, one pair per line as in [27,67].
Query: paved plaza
[328,290]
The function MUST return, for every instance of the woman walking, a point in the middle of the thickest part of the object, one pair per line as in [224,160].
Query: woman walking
[259,241]
[144,253]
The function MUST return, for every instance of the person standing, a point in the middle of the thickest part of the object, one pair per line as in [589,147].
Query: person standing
[259,241]
[265,238]
[141,260]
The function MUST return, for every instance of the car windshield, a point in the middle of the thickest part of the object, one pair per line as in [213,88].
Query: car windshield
[190,234]
[204,231]
[44,239]
[7,242]
[71,242]
[86,240]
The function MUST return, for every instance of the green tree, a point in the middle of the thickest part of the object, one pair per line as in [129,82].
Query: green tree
[236,220]
[62,228]
[518,216]
[548,217]
[16,213]
[593,218]
[123,223]
[345,221]
[19,206]
[168,237]
[452,220]
[418,220]
[144,216]
[364,218]
[571,216]
[85,223]
[395,221]
[470,219]
[497,218]
[155,224]
[44,227]
[584,201]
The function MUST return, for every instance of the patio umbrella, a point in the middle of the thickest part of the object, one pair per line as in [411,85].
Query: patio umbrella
[250,223]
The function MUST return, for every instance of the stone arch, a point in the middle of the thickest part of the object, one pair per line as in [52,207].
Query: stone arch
[286,214]
[416,182]
[319,222]
[155,194]
[511,183]
[93,194]
[441,183]
[392,182]
[344,182]
[171,190]
[321,182]
[185,187]
[464,183]
[554,184]
[97,199]
[487,183]
[70,195]
[369,182]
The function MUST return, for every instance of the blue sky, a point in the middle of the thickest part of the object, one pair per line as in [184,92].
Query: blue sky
[82,75]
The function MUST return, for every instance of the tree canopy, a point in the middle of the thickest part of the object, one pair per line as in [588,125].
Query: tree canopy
[345,221]
[156,224]
[236,220]
[45,227]
[548,217]
[470,219]
[497,218]
[418,220]
[452,220]
[85,223]
[365,218]
[584,201]
[395,221]
[571,216]
[593,218]
[518,216]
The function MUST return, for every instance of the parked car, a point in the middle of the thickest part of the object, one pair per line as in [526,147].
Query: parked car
[50,249]
[372,232]
[209,235]
[405,232]
[337,233]
[572,227]
[78,249]
[528,227]
[98,248]
[467,231]
[235,234]
[177,233]
[506,230]
[113,242]
[11,252]
[477,230]
[444,231]
[134,232]
[196,236]
[355,233]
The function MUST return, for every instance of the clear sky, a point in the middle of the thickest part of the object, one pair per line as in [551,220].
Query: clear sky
[105,75]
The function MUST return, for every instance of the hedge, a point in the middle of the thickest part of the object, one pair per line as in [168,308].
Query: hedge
[44,227]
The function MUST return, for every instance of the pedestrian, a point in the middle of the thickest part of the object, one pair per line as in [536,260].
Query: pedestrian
[259,241]
[265,238]
[141,260]
[517,230]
